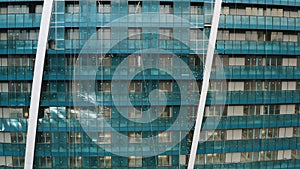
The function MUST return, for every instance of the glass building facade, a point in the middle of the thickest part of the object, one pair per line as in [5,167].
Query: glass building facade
[251,117]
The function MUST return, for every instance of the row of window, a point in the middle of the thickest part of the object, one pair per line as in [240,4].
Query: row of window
[256,85]
[193,60]
[14,112]
[222,158]
[215,85]
[161,160]
[15,86]
[197,34]
[106,161]
[247,134]
[165,7]
[260,11]
[76,137]
[195,9]
[20,137]
[256,60]
[19,34]
[263,36]
[21,8]
[133,112]
[160,60]
[106,111]
[245,110]
[104,33]
[133,7]
[163,136]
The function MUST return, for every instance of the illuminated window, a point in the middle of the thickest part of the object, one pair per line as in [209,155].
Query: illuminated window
[192,112]
[194,60]
[164,137]
[104,60]
[269,133]
[3,35]
[164,160]
[104,6]
[296,154]
[296,132]
[165,60]
[196,34]
[225,10]
[75,162]
[104,138]
[6,161]
[134,33]
[74,137]
[135,137]
[19,87]
[165,86]
[135,161]
[72,7]
[166,7]
[211,135]
[17,34]
[200,159]
[38,8]
[135,112]
[134,60]
[252,134]
[166,113]
[134,7]
[165,33]
[104,112]
[43,137]
[105,162]
[103,33]
[18,161]
[72,34]
[16,112]
[15,9]
[213,110]
[73,113]
[18,137]
[268,155]
[249,156]
[135,86]
[196,8]
[214,158]
[45,162]
[104,86]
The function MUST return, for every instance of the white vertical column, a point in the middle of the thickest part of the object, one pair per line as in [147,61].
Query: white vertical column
[37,83]
[205,82]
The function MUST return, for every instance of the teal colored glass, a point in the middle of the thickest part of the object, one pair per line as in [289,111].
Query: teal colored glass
[269,22]
[229,20]
[261,21]
[277,22]
[27,19]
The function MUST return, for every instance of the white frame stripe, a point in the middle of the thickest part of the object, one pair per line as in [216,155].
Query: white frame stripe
[37,83]
[205,82]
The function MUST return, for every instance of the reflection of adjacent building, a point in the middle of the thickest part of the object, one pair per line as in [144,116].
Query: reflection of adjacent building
[258,49]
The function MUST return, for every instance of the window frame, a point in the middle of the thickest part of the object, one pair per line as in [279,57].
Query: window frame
[134,5]
[135,161]
[135,137]
[104,137]
[103,7]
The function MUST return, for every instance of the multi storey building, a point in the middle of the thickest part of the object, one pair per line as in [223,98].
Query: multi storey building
[251,117]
